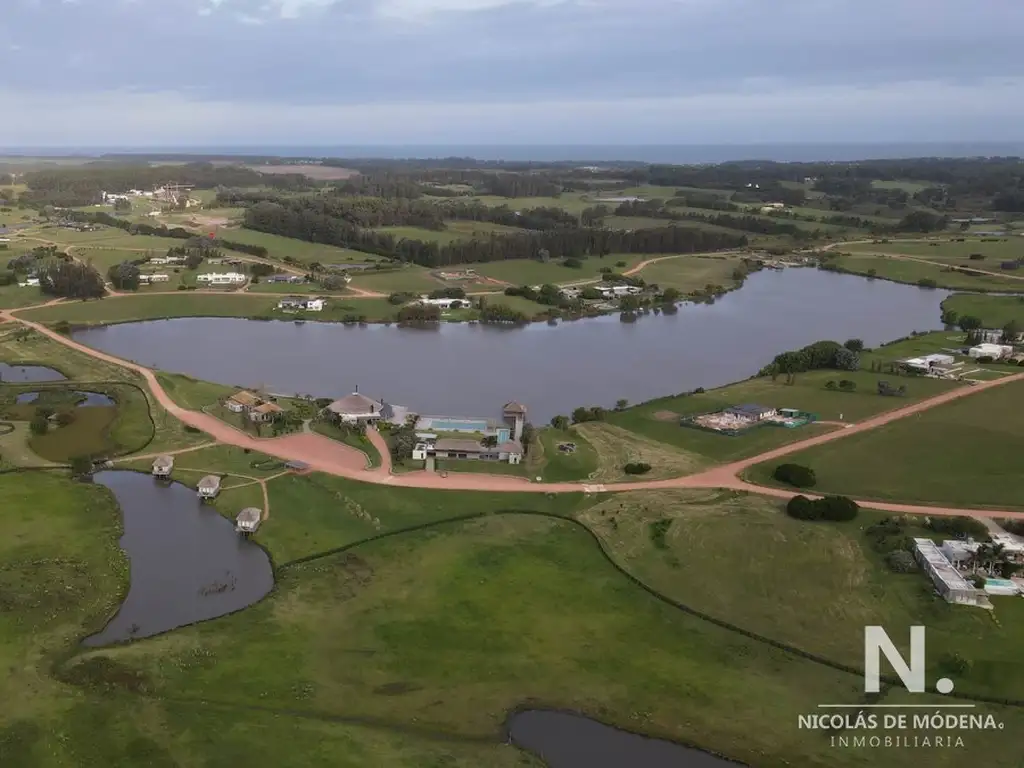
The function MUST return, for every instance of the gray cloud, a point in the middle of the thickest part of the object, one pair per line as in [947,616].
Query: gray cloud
[331,55]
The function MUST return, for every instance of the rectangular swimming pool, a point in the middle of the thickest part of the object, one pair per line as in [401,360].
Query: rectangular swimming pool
[455,425]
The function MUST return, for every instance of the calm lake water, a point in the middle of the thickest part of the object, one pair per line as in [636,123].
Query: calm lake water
[565,740]
[471,370]
[92,399]
[187,562]
[31,373]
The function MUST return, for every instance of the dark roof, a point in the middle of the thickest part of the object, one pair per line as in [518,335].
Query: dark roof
[750,409]
[514,407]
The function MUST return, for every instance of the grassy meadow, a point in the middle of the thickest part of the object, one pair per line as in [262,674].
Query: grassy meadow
[993,311]
[974,440]
[908,271]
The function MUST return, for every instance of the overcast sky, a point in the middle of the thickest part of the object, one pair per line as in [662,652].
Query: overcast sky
[301,72]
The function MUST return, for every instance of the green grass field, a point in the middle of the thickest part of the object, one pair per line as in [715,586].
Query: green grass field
[278,247]
[349,438]
[659,419]
[61,576]
[692,273]
[910,187]
[906,271]
[974,440]
[14,296]
[558,466]
[461,623]
[129,308]
[410,279]
[529,272]
[1002,249]
[851,587]
[993,311]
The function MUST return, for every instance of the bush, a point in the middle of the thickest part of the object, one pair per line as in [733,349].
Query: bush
[901,561]
[657,531]
[62,326]
[81,466]
[637,468]
[961,527]
[796,475]
[66,418]
[833,508]
[847,386]
[40,424]
[830,384]
[572,263]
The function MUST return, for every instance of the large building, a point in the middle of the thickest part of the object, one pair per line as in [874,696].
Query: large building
[952,586]
[357,408]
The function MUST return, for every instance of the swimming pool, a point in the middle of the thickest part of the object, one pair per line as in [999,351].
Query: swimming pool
[453,425]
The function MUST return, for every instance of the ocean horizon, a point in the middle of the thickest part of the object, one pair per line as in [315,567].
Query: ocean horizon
[675,154]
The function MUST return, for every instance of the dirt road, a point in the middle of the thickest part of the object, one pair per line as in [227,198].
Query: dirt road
[325,455]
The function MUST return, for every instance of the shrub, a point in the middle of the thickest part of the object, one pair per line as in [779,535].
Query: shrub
[796,475]
[66,418]
[802,508]
[40,424]
[977,580]
[847,386]
[927,282]
[637,468]
[830,384]
[901,561]
[572,263]
[657,531]
[834,508]
[62,326]
[80,466]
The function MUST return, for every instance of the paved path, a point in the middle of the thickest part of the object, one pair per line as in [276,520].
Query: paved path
[325,455]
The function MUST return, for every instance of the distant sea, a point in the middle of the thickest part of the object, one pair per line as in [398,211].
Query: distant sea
[681,154]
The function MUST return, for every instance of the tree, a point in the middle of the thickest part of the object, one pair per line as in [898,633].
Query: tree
[854,345]
[581,414]
[1010,332]
[620,405]
[125,276]
[795,474]
[81,466]
[560,423]
[671,295]
[71,280]
[847,386]
[830,384]
[40,423]
[969,323]
[122,206]
[490,441]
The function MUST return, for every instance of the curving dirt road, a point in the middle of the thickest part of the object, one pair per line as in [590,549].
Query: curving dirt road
[325,455]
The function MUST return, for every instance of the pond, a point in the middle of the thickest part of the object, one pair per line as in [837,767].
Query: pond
[463,370]
[29,373]
[566,740]
[90,399]
[187,562]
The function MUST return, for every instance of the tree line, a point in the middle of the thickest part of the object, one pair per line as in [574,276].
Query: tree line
[296,219]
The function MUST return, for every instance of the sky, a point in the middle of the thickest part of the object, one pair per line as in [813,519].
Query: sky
[350,72]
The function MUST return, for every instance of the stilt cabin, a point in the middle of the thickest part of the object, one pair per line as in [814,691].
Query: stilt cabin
[248,520]
[162,466]
[209,487]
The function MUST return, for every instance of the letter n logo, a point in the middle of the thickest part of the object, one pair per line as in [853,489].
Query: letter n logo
[877,644]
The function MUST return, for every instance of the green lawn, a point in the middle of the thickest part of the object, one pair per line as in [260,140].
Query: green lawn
[315,513]
[910,187]
[481,467]
[104,258]
[961,454]
[191,393]
[635,222]
[461,623]
[659,419]
[845,580]
[529,272]
[692,273]
[13,296]
[190,466]
[558,466]
[1002,249]
[572,202]
[993,311]
[906,271]
[410,279]
[278,247]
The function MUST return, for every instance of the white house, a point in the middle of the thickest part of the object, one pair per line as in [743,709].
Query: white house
[156,277]
[209,487]
[221,278]
[30,282]
[293,304]
[995,351]
[444,303]
[167,260]
[927,362]
[248,520]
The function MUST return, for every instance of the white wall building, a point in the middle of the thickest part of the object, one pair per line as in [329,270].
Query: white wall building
[157,277]
[444,303]
[948,582]
[995,351]
[221,278]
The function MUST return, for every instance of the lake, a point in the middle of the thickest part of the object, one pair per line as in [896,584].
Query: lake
[187,562]
[471,370]
[566,740]
[29,373]
[90,399]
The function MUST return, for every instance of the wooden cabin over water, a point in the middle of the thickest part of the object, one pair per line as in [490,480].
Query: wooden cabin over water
[162,466]
[209,487]
[248,520]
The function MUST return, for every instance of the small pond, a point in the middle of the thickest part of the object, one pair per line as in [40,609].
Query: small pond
[91,399]
[29,373]
[567,740]
[187,562]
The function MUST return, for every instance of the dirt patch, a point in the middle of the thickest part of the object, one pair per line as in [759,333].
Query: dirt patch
[665,416]
[318,172]
[617,447]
